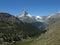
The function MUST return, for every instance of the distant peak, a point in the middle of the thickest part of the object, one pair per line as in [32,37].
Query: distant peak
[24,13]
[23,10]
[39,17]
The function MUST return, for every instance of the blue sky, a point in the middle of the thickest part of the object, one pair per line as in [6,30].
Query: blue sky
[34,7]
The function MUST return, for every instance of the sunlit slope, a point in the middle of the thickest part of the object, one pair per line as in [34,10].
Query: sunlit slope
[51,37]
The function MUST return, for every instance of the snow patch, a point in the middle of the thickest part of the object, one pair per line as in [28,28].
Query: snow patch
[38,17]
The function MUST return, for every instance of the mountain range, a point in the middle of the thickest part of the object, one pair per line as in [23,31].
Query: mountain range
[51,24]
[26,26]
[39,21]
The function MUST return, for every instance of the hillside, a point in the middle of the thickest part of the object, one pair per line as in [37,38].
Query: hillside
[8,22]
[13,29]
[17,32]
[51,37]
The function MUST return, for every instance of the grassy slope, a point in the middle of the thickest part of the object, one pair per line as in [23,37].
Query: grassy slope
[52,36]
[24,42]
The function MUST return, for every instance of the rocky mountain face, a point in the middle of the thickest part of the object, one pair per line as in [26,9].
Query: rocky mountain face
[26,17]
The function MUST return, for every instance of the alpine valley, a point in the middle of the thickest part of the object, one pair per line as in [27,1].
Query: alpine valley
[26,29]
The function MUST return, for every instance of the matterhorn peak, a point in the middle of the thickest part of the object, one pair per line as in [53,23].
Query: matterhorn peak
[25,16]
[24,13]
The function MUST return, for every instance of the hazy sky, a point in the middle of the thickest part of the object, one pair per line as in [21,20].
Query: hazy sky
[34,7]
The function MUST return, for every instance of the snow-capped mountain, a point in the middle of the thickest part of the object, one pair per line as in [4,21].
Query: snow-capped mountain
[53,18]
[39,21]
[26,17]
[35,20]
[39,18]
[24,13]
[55,15]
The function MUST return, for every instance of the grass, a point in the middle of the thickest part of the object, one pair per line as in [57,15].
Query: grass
[24,42]
[51,37]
